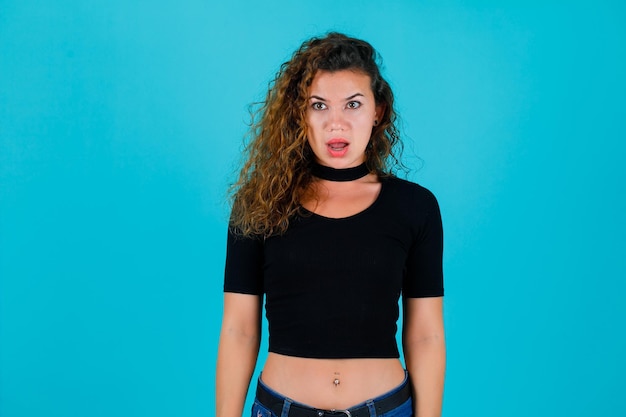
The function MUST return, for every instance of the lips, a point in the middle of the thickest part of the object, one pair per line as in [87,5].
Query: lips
[337,147]
[338,143]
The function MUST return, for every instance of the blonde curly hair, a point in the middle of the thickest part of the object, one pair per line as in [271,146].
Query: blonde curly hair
[276,173]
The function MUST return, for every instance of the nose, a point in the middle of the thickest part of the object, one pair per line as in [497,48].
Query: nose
[336,120]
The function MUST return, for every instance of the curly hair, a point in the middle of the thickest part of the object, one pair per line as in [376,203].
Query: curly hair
[276,173]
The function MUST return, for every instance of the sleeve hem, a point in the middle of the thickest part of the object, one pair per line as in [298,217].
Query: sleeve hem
[426,294]
[243,291]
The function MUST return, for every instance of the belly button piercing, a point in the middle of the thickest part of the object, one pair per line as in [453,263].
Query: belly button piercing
[336,382]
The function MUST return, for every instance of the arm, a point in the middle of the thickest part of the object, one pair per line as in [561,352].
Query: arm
[237,352]
[425,353]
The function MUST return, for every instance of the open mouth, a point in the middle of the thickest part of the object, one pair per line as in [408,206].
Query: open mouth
[337,147]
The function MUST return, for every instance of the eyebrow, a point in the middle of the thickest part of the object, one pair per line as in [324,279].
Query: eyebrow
[348,98]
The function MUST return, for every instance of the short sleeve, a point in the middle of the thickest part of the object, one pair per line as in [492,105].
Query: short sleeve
[424,267]
[243,272]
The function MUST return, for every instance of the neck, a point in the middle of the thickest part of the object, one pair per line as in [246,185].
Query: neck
[342,174]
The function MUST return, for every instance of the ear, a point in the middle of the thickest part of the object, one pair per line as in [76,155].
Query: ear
[379,113]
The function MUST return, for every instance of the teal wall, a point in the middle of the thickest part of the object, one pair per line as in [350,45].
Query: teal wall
[120,128]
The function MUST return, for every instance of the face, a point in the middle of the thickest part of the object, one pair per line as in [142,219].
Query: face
[340,117]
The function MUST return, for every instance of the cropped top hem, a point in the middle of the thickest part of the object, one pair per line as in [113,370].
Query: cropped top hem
[352,355]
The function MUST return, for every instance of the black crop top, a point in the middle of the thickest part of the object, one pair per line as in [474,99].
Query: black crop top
[332,285]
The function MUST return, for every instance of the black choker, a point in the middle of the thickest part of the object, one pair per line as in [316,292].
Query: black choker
[334,174]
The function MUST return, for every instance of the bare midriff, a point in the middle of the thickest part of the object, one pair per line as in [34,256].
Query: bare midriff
[331,383]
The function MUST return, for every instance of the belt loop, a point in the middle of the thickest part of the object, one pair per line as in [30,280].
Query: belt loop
[286,407]
[371,407]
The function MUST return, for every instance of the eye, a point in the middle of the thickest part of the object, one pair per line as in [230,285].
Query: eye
[353,104]
[318,105]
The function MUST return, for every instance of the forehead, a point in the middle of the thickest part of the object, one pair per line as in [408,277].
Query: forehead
[340,83]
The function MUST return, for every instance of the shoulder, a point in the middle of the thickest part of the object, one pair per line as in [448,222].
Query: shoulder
[417,209]
[410,194]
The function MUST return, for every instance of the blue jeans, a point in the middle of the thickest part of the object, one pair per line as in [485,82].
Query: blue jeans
[403,410]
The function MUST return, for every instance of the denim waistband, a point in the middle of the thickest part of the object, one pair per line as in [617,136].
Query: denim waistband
[285,407]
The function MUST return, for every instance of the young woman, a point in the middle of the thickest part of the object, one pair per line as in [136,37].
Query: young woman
[322,228]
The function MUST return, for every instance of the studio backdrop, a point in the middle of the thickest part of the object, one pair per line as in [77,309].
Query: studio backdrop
[121,128]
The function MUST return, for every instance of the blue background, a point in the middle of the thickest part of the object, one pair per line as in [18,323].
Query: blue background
[120,129]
